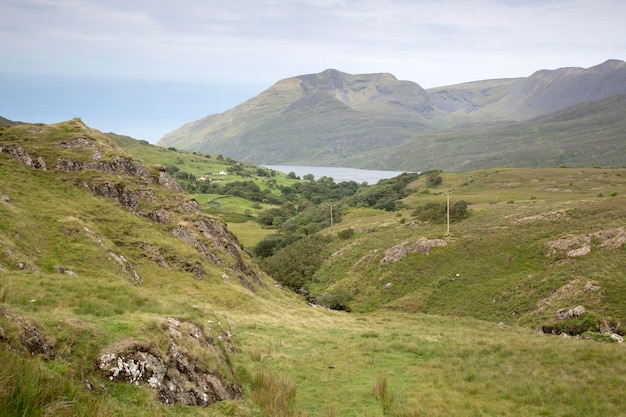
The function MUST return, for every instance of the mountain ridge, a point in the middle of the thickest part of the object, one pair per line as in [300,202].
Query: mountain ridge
[335,118]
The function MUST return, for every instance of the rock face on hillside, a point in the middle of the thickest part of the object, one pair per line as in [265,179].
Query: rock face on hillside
[374,120]
[399,252]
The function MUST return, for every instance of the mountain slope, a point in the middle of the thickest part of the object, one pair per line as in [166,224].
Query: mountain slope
[7,122]
[333,118]
[584,135]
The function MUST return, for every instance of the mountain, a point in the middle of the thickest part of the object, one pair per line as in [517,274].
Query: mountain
[368,121]
[334,113]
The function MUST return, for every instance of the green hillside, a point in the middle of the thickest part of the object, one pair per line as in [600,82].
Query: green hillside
[121,294]
[590,134]
[533,241]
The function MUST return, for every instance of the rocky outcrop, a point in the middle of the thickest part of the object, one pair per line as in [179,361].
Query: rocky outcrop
[178,377]
[84,144]
[212,229]
[205,234]
[117,165]
[126,267]
[118,192]
[398,252]
[28,336]
[24,158]
[580,245]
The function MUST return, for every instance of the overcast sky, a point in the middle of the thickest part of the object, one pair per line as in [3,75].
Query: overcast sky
[145,67]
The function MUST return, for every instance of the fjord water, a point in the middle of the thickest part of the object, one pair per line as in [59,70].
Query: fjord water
[338,174]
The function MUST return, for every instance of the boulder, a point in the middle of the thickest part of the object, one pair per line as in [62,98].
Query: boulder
[398,252]
[591,287]
[563,314]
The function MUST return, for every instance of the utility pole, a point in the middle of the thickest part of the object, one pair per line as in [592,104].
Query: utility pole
[448,213]
[331,215]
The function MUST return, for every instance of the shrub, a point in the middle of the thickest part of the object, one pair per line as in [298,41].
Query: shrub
[346,234]
[337,300]
[434,180]
[294,265]
[437,212]
[271,244]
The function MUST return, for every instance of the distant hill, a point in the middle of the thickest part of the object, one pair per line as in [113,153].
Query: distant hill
[322,117]
[372,120]
[7,122]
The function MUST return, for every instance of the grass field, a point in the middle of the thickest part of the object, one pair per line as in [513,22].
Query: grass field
[433,366]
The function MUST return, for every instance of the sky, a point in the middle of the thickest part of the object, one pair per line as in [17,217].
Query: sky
[145,67]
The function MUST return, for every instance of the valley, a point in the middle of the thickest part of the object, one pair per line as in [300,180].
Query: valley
[114,248]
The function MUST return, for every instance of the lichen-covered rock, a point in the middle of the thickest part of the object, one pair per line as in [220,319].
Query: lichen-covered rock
[134,368]
[179,377]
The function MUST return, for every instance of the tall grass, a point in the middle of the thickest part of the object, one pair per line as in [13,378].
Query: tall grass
[383,394]
[28,388]
[275,394]
[4,291]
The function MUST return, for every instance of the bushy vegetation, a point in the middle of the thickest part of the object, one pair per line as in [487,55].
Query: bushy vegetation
[333,201]
[295,265]
[438,212]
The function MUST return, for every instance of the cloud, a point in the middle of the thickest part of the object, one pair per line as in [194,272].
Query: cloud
[251,44]
[198,39]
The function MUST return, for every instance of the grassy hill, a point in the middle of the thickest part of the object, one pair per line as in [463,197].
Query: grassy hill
[121,295]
